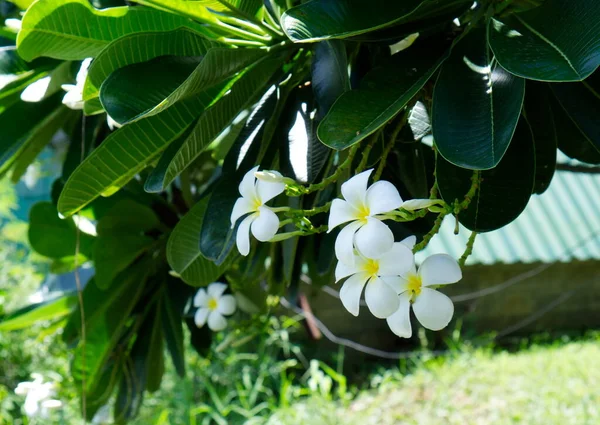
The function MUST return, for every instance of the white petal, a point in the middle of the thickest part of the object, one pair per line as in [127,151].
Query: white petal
[439,269]
[36,91]
[433,309]
[383,197]
[216,289]
[351,290]
[51,404]
[268,190]
[247,185]
[344,243]
[266,224]
[200,316]
[343,270]
[241,207]
[409,242]
[340,212]
[226,304]
[399,322]
[73,99]
[242,238]
[216,321]
[397,261]
[201,299]
[418,204]
[381,299]
[397,283]
[374,239]
[355,189]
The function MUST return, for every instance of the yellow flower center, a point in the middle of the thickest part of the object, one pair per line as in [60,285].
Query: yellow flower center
[363,213]
[212,304]
[372,267]
[256,203]
[414,284]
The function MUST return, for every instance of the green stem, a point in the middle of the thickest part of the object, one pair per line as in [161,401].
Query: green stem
[245,24]
[242,33]
[238,42]
[475,183]
[468,250]
[365,154]
[434,230]
[249,18]
[390,145]
[336,175]
[434,192]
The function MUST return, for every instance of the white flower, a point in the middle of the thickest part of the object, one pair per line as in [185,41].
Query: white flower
[433,309]
[36,91]
[38,393]
[262,221]
[112,124]
[212,305]
[380,275]
[13,24]
[361,205]
[74,97]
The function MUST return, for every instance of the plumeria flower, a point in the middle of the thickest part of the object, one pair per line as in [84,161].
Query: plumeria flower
[361,206]
[433,309]
[212,306]
[74,97]
[262,221]
[38,393]
[419,204]
[380,276]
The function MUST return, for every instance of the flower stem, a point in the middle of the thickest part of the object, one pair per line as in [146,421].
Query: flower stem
[336,175]
[242,33]
[365,154]
[390,145]
[434,230]
[468,250]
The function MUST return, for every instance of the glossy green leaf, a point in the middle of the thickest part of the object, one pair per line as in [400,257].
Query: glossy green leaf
[200,338]
[218,65]
[155,360]
[30,315]
[73,29]
[504,190]
[324,19]
[126,152]
[121,239]
[53,237]
[130,394]
[140,47]
[246,91]
[173,303]
[476,105]
[540,118]
[557,41]
[40,136]
[329,73]
[131,91]
[382,94]
[105,322]
[183,250]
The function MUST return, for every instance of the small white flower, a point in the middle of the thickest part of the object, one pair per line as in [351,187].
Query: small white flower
[74,97]
[212,306]
[112,124]
[361,206]
[380,275]
[263,222]
[433,309]
[38,395]
[13,24]
[36,91]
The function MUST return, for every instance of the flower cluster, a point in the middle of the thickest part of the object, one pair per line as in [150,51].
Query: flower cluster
[368,256]
[38,396]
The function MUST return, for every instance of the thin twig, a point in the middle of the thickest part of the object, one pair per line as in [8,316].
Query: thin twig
[390,145]
[468,250]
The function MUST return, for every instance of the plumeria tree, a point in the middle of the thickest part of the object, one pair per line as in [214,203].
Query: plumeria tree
[239,144]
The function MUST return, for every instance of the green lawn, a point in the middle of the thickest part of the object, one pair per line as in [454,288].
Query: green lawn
[556,385]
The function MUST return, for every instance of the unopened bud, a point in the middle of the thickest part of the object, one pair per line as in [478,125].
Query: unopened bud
[273,177]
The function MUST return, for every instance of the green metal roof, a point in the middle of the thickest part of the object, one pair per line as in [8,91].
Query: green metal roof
[562,224]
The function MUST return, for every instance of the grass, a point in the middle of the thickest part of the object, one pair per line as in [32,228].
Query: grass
[541,385]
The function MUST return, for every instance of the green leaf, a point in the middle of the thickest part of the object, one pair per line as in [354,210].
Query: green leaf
[323,19]
[183,249]
[476,105]
[32,314]
[329,74]
[173,304]
[105,322]
[55,238]
[40,136]
[74,30]
[121,239]
[200,338]
[557,41]
[504,190]
[131,91]
[140,47]
[126,152]
[155,360]
[581,102]
[218,65]
[130,394]
[539,116]
[219,116]
[15,137]
[383,92]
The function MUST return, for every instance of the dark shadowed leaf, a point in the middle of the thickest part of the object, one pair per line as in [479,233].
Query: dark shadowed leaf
[329,74]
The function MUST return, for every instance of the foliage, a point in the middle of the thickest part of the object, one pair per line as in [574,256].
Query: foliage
[201,92]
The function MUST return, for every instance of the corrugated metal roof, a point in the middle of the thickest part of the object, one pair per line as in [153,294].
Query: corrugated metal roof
[562,224]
